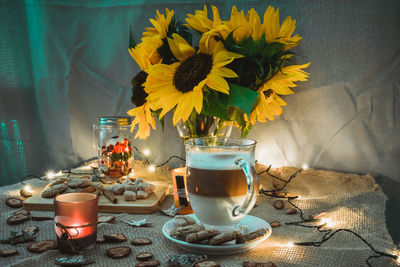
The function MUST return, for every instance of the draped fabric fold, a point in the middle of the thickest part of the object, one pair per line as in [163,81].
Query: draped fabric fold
[66,63]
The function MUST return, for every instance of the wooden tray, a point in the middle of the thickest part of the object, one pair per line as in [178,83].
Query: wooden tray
[149,205]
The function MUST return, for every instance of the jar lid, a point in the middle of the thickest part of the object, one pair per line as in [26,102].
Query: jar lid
[115,120]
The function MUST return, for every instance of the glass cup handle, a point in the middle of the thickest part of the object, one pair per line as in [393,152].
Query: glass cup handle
[95,130]
[252,188]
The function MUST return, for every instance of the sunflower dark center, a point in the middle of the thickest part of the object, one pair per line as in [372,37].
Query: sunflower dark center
[138,94]
[268,93]
[192,71]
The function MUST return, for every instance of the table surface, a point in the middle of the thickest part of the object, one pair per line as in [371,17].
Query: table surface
[352,202]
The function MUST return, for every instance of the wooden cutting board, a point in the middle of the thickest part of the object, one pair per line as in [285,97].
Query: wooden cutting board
[149,205]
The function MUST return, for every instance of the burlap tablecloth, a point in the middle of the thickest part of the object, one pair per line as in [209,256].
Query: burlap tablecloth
[352,201]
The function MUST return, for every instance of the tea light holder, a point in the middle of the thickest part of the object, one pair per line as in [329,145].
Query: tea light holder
[76,221]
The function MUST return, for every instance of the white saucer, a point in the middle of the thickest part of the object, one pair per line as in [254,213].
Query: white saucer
[252,223]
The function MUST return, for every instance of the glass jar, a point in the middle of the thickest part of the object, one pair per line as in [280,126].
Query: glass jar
[114,147]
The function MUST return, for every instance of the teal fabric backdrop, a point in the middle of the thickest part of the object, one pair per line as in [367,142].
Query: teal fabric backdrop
[65,63]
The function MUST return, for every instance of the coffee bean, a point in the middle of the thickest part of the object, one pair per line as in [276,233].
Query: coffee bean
[291,211]
[275,224]
[278,204]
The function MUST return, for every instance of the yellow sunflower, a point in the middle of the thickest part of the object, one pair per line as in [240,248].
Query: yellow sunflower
[181,84]
[161,24]
[280,33]
[280,84]
[209,28]
[144,118]
[239,25]
[144,57]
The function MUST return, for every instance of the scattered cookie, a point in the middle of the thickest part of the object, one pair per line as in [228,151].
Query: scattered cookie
[141,241]
[278,204]
[207,263]
[78,183]
[30,229]
[244,238]
[258,264]
[14,202]
[275,224]
[186,229]
[118,252]
[54,190]
[18,219]
[222,238]
[201,235]
[147,264]
[58,181]
[291,211]
[181,220]
[105,219]
[115,237]
[143,256]
[22,212]
[8,252]
[42,246]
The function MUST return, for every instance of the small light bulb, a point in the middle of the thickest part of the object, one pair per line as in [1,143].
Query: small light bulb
[327,222]
[152,168]
[50,174]
[305,167]
[398,260]
[28,188]
[290,244]
[146,152]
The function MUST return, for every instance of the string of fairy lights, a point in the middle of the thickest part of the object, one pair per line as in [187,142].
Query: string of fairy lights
[321,224]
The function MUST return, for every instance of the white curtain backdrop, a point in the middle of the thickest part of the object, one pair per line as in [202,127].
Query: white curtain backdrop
[65,63]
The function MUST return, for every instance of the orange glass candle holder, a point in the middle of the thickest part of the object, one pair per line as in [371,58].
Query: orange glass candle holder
[181,199]
[76,221]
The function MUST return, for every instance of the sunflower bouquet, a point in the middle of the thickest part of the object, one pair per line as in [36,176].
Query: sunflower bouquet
[233,70]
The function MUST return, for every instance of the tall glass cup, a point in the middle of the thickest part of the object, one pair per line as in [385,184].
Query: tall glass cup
[222,183]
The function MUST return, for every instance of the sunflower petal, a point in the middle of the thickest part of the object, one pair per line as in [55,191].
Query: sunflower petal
[217,83]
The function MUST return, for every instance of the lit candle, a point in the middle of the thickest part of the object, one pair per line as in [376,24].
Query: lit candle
[76,221]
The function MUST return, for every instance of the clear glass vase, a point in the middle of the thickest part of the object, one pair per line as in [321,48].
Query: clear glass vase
[199,125]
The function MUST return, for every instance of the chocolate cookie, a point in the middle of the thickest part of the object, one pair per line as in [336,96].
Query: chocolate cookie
[78,183]
[141,241]
[18,219]
[118,252]
[42,246]
[106,219]
[54,190]
[30,229]
[8,252]
[14,202]
[143,256]
[115,237]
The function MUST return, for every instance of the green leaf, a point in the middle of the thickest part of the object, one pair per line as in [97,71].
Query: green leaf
[241,97]
[216,104]
[132,42]
[271,49]
[246,130]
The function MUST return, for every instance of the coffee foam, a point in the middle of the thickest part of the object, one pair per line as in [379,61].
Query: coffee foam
[216,160]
